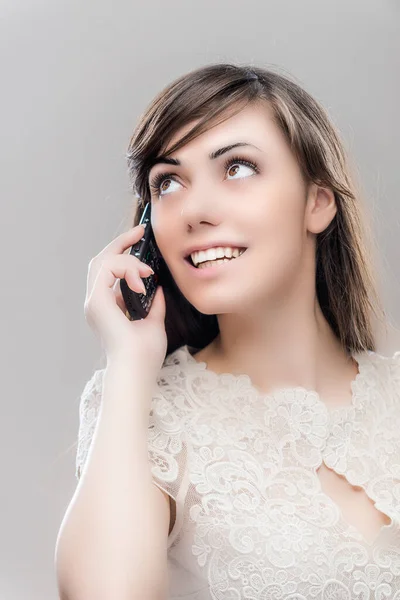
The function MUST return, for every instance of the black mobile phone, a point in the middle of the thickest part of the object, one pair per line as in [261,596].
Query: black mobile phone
[146,250]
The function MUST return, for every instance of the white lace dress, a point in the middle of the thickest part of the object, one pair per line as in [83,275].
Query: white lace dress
[252,520]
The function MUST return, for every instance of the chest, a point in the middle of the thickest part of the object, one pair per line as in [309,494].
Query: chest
[356,507]
[289,468]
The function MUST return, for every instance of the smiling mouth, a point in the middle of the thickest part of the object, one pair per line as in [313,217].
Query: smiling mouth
[211,263]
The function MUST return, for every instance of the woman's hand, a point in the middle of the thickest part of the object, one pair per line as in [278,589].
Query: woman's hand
[142,341]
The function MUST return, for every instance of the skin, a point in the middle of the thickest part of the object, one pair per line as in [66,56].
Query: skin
[271,324]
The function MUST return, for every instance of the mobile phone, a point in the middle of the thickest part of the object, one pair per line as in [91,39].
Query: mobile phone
[146,250]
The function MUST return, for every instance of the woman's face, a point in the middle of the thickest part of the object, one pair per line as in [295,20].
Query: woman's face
[262,208]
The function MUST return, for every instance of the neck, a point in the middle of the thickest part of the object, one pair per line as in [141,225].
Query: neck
[285,346]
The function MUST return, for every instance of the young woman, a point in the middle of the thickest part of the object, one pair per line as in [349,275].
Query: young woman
[243,440]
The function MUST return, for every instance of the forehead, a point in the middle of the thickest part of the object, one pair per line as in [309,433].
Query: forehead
[254,123]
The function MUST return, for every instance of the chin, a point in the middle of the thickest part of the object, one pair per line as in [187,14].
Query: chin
[217,306]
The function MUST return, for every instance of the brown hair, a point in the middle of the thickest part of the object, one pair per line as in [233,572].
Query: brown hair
[345,285]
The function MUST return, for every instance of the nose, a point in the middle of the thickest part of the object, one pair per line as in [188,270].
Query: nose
[199,207]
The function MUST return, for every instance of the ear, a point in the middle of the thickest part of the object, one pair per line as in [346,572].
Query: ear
[321,208]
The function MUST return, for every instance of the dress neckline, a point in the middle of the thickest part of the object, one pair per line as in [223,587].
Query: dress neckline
[358,385]
[337,424]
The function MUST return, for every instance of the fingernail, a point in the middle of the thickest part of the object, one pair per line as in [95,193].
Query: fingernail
[144,289]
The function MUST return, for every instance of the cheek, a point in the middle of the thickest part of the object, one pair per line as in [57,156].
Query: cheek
[277,238]
[277,222]
[163,233]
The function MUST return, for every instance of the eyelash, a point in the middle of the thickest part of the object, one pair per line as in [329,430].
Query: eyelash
[159,178]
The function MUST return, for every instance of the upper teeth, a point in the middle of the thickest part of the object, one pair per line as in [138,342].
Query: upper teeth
[213,253]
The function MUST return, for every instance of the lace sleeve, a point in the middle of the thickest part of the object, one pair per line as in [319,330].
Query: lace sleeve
[396,362]
[167,448]
[90,402]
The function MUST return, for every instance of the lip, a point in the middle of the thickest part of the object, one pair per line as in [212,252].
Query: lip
[213,271]
[218,243]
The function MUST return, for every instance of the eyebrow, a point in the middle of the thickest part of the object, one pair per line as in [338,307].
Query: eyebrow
[163,159]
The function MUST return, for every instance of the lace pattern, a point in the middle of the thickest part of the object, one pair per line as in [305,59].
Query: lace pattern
[252,519]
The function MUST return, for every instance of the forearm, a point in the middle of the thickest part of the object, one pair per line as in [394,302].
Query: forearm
[111,543]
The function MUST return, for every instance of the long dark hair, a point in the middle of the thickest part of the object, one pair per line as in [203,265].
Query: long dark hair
[345,285]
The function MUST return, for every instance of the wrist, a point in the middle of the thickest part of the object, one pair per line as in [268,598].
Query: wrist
[129,368]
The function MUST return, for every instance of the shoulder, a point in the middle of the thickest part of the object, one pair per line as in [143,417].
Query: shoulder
[95,383]
[384,363]
[180,357]
[171,382]
[90,398]
[383,371]
[174,369]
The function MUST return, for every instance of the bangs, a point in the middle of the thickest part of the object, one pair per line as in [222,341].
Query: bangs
[207,101]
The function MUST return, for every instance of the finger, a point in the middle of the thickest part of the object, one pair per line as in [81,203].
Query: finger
[119,244]
[122,266]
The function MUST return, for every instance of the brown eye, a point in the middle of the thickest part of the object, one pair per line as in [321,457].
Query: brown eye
[163,188]
[233,167]
[161,184]
[235,163]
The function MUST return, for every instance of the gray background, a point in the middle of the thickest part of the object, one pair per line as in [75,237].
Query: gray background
[74,79]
